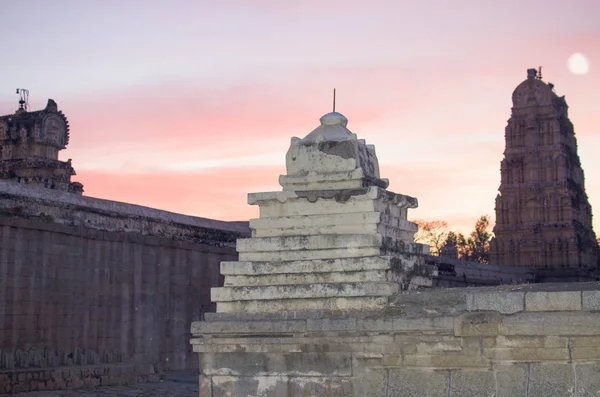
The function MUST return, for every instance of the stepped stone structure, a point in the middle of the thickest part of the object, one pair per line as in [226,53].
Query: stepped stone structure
[323,301]
[29,146]
[334,238]
[543,217]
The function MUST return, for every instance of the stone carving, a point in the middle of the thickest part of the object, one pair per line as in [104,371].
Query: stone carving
[30,142]
[334,238]
[542,196]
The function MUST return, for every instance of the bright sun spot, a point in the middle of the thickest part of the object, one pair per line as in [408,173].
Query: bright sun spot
[578,64]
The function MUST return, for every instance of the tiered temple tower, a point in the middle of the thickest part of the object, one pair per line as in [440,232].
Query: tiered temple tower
[29,146]
[543,217]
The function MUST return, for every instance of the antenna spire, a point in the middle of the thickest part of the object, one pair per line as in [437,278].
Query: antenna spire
[23,98]
[334,99]
[539,76]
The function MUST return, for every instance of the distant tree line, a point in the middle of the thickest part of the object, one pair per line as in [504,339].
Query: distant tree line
[475,247]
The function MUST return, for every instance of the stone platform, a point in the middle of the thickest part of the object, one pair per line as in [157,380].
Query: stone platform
[539,340]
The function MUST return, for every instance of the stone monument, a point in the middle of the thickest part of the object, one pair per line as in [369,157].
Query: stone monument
[543,217]
[333,239]
[322,301]
[29,146]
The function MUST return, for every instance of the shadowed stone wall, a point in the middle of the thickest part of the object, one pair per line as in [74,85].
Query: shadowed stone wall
[520,341]
[77,295]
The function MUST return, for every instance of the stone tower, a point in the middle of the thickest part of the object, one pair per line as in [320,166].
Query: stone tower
[29,146]
[543,217]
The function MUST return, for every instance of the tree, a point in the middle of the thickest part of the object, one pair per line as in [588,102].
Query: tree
[478,243]
[459,241]
[432,233]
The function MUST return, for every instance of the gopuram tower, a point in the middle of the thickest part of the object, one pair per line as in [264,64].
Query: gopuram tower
[543,217]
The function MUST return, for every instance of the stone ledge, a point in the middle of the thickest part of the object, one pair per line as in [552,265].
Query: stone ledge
[297,243]
[245,327]
[308,291]
[308,266]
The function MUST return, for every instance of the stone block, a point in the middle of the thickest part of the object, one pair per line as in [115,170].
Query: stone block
[478,324]
[423,324]
[585,353]
[588,380]
[551,341]
[552,301]
[291,255]
[466,358]
[326,325]
[551,380]
[318,386]
[546,324]
[306,266]
[281,305]
[372,382]
[418,383]
[205,386]
[511,380]
[245,327]
[377,324]
[278,292]
[472,384]
[307,278]
[297,243]
[591,300]
[502,302]
[526,354]
[276,364]
[263,386]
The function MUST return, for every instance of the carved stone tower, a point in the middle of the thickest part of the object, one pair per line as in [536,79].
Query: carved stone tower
[543,217]
[29,146]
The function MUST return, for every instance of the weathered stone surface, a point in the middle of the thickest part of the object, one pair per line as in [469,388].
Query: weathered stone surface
[587,380]
[591,300]
[205,385]
[478,324]
[511,380]
[503,302]
[367,303]
[559,323]
[238,327]
[418,383]
[372,382]
[309,291]
[416,353]
[552,301]
[309,266]
[472,384]
[551,380]
[276,364]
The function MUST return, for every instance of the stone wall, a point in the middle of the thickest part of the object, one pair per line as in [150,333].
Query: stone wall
[458,273]
[537,340]
[90,283]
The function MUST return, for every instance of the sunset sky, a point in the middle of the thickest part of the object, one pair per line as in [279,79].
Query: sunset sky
[189,105]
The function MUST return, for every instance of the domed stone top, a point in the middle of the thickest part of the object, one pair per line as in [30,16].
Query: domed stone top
[532,92]
[334,118]
[332,128]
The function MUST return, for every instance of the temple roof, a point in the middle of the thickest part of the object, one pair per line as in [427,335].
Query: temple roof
[22,118]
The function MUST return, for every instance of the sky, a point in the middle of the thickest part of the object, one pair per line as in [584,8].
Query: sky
[188,106]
